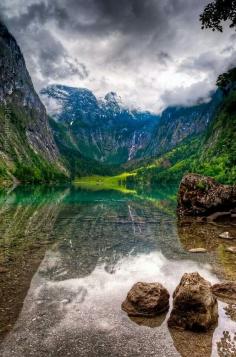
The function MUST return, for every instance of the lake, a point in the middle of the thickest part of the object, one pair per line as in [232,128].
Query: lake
[69,255]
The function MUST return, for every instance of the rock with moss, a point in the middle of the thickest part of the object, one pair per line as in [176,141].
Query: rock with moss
[201,196]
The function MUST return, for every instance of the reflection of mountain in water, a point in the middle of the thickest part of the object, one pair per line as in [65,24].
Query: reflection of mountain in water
[109,228]
[27,217]
[104,242]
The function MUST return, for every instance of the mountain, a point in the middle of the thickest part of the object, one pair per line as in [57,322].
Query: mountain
[179,123]
[217,154]
[103,130]
[27,147]
[211,152]
[87,135]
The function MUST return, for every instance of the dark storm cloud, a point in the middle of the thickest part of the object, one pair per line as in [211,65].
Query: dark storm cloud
[137,17]
[54,60]
[164,58]
[42,50]
[147,50]
[209,62]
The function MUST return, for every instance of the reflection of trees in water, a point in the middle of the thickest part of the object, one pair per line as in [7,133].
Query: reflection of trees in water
[227,345]
[27,217]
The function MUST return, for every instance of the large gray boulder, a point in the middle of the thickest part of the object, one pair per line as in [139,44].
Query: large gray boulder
[146,299]
[194,306]
[202,195]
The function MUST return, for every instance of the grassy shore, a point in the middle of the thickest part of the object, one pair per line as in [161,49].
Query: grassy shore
[96,183]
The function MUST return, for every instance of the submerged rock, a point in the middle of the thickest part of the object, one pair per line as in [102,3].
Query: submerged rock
[225,235]
[225,290]
[146,299]
[197,250]
[231,250]
[3,270]
[201,195]
[194,305]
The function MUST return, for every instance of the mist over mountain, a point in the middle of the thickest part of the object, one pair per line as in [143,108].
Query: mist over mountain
[106,131]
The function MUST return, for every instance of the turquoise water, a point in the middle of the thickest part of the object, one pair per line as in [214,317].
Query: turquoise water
[87,249]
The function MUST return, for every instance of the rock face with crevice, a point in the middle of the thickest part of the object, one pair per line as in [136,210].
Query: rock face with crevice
[201,195]
[146,299]
[195,308]
[25,136]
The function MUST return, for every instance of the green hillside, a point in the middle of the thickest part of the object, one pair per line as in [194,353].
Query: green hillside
[212,154]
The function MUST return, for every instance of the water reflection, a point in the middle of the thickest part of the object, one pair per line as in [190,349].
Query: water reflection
[98,244]
[195,234]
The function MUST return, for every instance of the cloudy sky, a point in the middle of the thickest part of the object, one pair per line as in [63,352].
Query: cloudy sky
[153,53]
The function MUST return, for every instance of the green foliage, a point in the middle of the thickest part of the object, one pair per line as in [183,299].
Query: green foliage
[217,158]
[170,167]
[212,154]
[19,158]
[76,163]
[217,12]
[38,172]
[227,80]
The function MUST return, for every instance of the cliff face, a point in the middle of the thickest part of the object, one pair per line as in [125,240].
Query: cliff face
[178,123]
[102,130]
[25,135]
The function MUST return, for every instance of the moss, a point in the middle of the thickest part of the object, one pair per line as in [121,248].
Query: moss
[19,159]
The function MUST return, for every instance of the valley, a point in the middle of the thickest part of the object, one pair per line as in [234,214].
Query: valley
[97,192]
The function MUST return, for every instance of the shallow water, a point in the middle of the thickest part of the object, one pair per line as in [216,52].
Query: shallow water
[72,255]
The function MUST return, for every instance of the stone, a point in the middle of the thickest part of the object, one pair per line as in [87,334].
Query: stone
[201,196]
[195,307]
[146,299]
[231,250]
[3,270]
[225,235]
[225,290]
[197,250]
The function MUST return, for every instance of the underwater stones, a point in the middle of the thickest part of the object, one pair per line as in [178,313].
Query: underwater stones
[231,250]
[3,270]
[201,195]
[146,299]
[194,305]
[225,235]
[226,290]
[197,250]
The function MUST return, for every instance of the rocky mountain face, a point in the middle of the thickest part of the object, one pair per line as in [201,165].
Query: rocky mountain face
[179,123]
[103,130]
[25,135]
[106,131]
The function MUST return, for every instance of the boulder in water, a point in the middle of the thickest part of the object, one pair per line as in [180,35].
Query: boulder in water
[201,195]
[146,299]
[194,305]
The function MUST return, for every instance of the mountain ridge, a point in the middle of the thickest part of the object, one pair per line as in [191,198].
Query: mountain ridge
[107,132]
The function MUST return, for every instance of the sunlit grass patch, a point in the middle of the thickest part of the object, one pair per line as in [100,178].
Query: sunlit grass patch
[96,183]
